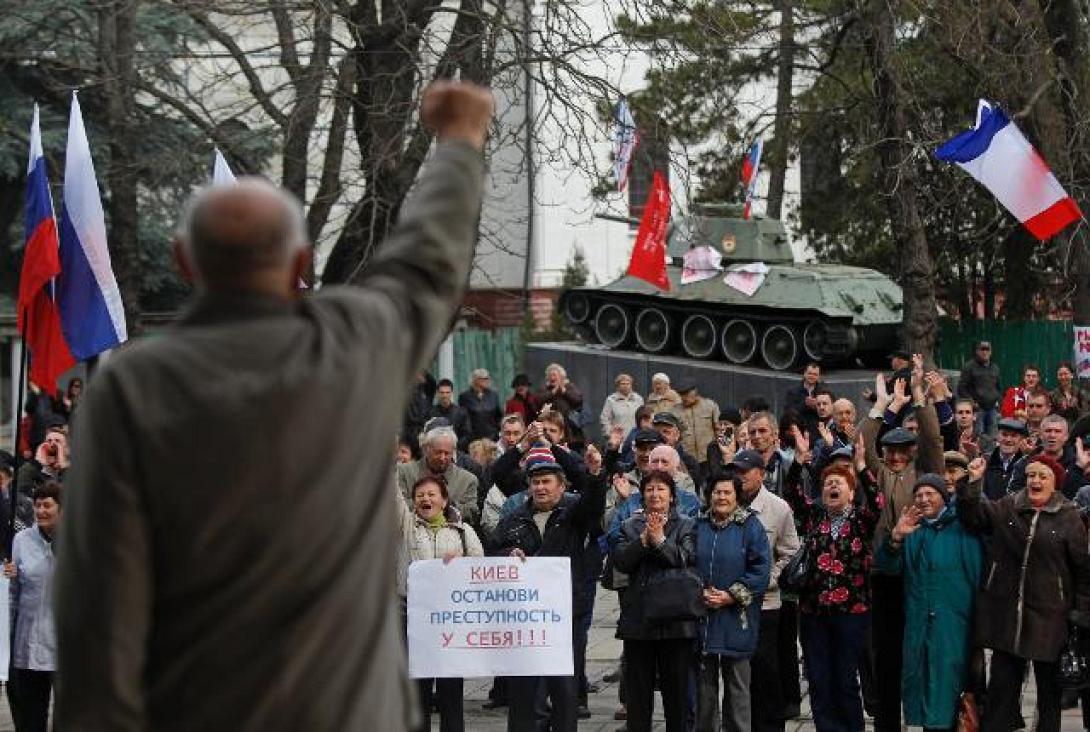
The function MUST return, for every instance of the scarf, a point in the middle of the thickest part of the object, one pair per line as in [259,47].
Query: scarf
[737,516]
[837,521]
[436,523]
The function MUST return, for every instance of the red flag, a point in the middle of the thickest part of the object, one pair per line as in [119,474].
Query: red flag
[649,254]
[38,316]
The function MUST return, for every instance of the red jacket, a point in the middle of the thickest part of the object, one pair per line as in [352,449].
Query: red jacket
[528,407]
[1013,400]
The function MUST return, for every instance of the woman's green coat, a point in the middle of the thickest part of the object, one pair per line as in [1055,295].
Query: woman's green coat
[941,564]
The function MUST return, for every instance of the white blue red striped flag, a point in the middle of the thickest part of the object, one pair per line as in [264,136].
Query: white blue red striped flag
[998,155]
[92,314]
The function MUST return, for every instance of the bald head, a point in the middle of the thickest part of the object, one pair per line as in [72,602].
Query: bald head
[247,236]
[665,458]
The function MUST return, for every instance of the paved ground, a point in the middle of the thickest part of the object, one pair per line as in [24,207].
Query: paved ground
[602,654]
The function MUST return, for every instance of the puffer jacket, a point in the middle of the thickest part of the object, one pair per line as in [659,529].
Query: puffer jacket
[733,555]
[640,562]
[1037,572]
[419,541]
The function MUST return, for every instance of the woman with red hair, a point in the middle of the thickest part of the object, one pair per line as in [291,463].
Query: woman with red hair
[835,603]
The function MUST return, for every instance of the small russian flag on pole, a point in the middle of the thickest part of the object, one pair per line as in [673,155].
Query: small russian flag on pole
[750,168]
[998,155]
[92,314]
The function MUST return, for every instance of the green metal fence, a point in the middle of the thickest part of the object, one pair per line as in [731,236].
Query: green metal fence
[1014,343]
[500,351]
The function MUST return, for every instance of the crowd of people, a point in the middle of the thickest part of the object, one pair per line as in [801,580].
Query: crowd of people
[921,555]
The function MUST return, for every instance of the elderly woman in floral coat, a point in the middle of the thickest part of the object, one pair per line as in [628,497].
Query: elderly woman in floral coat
[835,604]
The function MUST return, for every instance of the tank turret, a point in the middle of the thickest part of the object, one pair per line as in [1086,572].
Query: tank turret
[819,312]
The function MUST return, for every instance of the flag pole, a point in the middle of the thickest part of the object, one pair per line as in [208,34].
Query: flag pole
[13,488]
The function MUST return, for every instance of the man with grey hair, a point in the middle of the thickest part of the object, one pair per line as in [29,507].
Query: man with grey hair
[439,446]
[230,523]
[483,406]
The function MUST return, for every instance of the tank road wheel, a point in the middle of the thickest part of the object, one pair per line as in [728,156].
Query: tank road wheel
[577,308]
[813,340]
[739,341]
[779,347]
[698,336]
[652,330]
[612,325]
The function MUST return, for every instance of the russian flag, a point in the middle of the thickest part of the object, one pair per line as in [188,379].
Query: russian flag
[750,166]
[38,317]
[998,155]
[92,315]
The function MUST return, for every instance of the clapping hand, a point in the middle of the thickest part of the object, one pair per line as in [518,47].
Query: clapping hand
[1082,455]
[654,533]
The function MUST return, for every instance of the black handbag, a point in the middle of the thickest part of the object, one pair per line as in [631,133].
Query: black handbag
[673,594]
[1074,671]
[797,573]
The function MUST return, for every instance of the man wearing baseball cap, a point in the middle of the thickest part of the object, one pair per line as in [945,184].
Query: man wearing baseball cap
[1006,460]
[556,521]
[766,688]
[671,427]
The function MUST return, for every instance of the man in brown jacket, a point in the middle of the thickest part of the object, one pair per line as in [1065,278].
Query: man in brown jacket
[228,540]
[904,456]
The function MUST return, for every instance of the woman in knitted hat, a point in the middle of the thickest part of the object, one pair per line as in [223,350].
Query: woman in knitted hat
[940,562]
[1038,571]
[834,617]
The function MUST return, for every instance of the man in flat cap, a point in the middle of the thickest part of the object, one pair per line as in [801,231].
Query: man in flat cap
[670,426]
[698,416]
[1006,460]
[253,588]
[903,457]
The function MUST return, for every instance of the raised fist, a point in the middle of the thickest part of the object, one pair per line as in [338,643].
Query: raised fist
[458,110]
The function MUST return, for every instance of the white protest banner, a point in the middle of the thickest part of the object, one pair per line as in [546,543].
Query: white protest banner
[1082,351]
[490,616]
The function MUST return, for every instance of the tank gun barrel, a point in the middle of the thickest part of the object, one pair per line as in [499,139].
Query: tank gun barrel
[631,220]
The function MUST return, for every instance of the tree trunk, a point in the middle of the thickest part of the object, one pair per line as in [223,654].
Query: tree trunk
[919,317]
[116,44]
[780,148]
[1065,24]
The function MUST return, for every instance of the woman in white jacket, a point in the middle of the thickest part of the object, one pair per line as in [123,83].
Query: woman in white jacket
[433,529]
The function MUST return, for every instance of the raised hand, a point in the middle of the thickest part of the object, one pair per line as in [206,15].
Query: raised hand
[900,398]
[458,111]
[616,438]
[622,485]
[859,453]
[593,460]
[976,469]
[908,522]
[881,395]
[1082,455]
[802,444]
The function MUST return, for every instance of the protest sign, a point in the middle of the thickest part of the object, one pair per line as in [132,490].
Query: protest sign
[1082,351]
[490,616]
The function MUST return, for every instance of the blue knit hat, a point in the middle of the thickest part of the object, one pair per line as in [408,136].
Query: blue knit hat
[539,459]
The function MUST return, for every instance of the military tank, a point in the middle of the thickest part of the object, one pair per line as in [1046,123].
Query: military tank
[801,312]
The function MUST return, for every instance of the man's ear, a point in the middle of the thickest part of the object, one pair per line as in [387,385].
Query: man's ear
[182,262]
